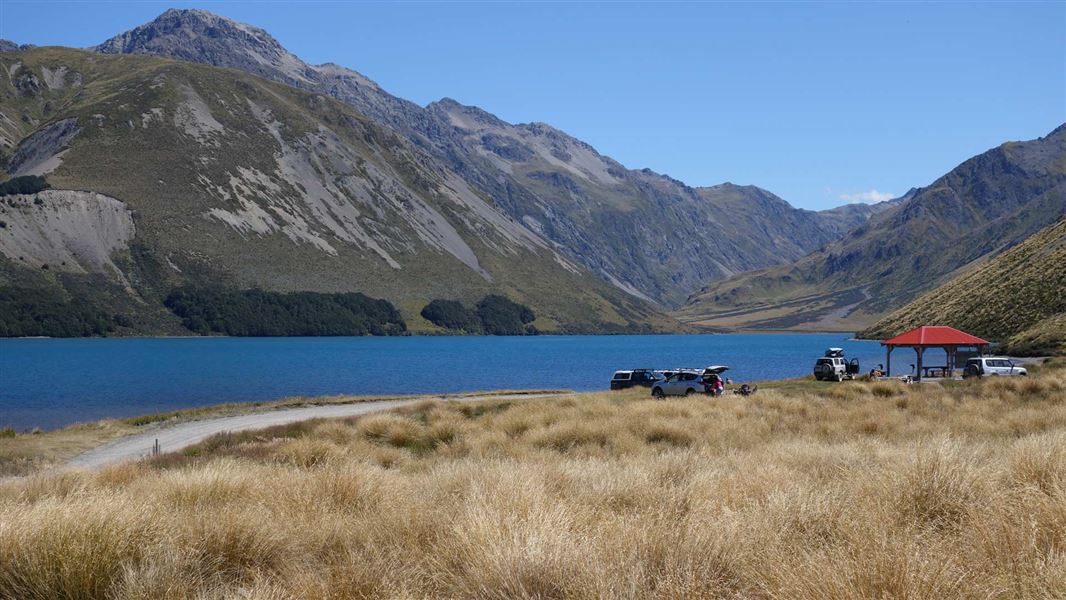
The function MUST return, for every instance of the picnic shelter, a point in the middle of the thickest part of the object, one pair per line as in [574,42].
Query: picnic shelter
[935,336]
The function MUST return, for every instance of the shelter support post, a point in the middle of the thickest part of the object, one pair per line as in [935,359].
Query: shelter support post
[888,361]
[918,374]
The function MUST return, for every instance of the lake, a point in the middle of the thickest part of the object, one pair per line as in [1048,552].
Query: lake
[49,383]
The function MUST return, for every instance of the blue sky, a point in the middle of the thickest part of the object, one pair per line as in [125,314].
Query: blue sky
[821,103]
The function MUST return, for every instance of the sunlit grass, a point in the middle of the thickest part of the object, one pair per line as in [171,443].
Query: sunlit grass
[848,491]
[22,453]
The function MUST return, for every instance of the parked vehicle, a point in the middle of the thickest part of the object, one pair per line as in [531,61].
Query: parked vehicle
[834,367]
[715,370]
[633,377]
[993,366]
[682,382]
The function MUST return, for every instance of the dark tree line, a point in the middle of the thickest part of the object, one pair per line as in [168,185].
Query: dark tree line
[493,315]
[28,312]
[259,313]
[25,184]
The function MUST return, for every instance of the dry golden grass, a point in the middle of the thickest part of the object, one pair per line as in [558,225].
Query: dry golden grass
[25,453]
[855,491]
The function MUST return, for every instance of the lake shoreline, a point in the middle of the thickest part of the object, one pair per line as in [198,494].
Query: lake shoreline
[49,383]
[422,334]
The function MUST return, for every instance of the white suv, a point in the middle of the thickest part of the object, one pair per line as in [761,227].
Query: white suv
[992,365]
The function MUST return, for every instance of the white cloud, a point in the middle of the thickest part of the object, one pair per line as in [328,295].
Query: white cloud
[869,197]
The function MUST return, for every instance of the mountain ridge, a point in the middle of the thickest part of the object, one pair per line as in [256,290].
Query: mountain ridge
[984,206]
[513,165]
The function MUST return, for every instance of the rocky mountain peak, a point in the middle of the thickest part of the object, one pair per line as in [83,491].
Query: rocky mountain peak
[201,36]
[188,25]
[465,116]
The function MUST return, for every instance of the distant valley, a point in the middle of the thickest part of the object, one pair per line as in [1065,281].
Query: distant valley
[1017,298]
[981,208]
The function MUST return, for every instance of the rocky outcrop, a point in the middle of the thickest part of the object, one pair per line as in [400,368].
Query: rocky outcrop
[42,152]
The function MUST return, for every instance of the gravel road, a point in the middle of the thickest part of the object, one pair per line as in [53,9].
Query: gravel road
[179,436]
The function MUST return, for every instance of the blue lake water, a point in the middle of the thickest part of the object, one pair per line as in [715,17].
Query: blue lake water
[49,383]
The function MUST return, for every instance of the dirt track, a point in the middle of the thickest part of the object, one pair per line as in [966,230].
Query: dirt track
[181,435]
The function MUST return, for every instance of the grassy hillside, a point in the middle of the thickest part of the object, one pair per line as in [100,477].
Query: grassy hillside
[208,176]
[984,206]
[852,491]
[1017,298]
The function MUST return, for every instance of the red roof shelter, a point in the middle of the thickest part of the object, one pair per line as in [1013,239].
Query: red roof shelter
[934,336]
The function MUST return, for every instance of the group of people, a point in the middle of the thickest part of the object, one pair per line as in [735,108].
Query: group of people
[716,386]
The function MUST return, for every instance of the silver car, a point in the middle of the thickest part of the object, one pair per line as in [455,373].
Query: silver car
[680,382]
[984,366]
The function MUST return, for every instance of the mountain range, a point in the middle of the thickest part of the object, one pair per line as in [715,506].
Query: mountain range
[169,173]
[196,150]
[601,215]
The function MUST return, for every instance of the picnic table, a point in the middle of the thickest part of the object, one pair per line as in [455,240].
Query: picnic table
[935,371]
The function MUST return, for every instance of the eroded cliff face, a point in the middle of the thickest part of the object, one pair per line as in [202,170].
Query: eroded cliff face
[66,231]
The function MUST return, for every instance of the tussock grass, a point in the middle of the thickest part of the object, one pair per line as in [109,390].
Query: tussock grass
[26,452]
[852,491]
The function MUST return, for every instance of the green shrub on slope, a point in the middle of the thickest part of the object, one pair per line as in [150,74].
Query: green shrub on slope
[25,184]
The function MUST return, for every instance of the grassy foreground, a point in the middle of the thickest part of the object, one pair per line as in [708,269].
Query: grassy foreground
[34,451]
[854,491]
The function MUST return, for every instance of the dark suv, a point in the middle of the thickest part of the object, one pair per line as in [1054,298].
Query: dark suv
[632,378]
